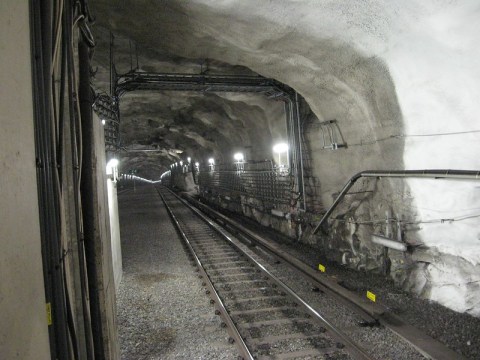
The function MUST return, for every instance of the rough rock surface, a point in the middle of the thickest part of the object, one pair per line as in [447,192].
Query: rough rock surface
[401,79]
[460,332]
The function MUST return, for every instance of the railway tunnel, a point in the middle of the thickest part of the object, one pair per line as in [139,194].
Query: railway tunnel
[240,179]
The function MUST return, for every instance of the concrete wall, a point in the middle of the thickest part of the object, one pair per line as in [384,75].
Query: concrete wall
[103,244]
[23,330]
[114,232]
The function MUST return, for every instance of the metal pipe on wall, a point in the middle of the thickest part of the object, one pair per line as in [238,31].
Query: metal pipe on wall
[432,174]
[294,143]
[300,152]
[389,243]
[84,333]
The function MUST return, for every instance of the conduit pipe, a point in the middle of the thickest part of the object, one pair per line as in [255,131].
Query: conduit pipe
[430,174]
[295,151]
[389,243]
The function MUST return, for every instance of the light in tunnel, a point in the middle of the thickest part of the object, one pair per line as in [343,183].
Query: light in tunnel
[280,148]
[111,169]
[111,164]
[211,161]
[238,157]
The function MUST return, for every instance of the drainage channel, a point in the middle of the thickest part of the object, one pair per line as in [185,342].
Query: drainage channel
[264,317]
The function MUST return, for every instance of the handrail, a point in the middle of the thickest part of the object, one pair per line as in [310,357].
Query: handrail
[433,174]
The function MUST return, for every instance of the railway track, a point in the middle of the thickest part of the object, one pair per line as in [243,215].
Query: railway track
[371,314]
[264,316]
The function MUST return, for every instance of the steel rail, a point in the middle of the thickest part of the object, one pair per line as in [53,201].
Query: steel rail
[431,174]
[425,345]
[232,329]
[370,313]
[354,350]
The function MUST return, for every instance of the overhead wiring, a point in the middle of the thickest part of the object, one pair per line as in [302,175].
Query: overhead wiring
[401,136]
[393,220]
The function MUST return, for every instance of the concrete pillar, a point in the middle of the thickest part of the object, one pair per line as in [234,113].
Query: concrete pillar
[103,243]
[114,232]
[24,329]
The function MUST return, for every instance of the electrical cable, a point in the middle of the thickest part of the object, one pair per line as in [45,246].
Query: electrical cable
[433,221]
[46,131]
[441,134]
[400,136]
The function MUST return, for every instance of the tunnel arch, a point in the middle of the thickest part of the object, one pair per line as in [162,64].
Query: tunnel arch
[395,77]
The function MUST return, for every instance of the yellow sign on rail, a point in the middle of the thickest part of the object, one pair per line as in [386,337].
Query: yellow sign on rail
[321,267]
[371,296]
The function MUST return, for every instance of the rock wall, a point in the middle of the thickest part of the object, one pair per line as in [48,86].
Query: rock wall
[400,79]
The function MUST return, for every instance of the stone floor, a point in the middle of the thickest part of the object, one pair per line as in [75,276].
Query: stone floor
[163,312]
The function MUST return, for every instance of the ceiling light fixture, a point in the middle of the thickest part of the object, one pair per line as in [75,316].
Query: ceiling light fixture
[238,157]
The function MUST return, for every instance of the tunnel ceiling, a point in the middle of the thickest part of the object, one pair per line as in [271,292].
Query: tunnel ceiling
[336,78]
[159,128]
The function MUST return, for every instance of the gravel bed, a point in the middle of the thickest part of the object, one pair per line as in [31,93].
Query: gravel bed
[380,342]
[223,278]
[208,249]
[242,286]
[459,331]
[306,328]
[269,315]
[224,266]
[224,258]
[162,310]
[292,345]
[246,270]
[251,294]
[259,304]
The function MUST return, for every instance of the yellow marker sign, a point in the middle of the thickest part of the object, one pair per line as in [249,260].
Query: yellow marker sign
[371,296]
[321,267]
[49,314]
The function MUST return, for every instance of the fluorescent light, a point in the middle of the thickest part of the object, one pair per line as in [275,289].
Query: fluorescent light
[238,157]
[113,163]
[280,148]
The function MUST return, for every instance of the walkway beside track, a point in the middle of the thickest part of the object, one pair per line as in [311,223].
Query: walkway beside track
[163,312]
